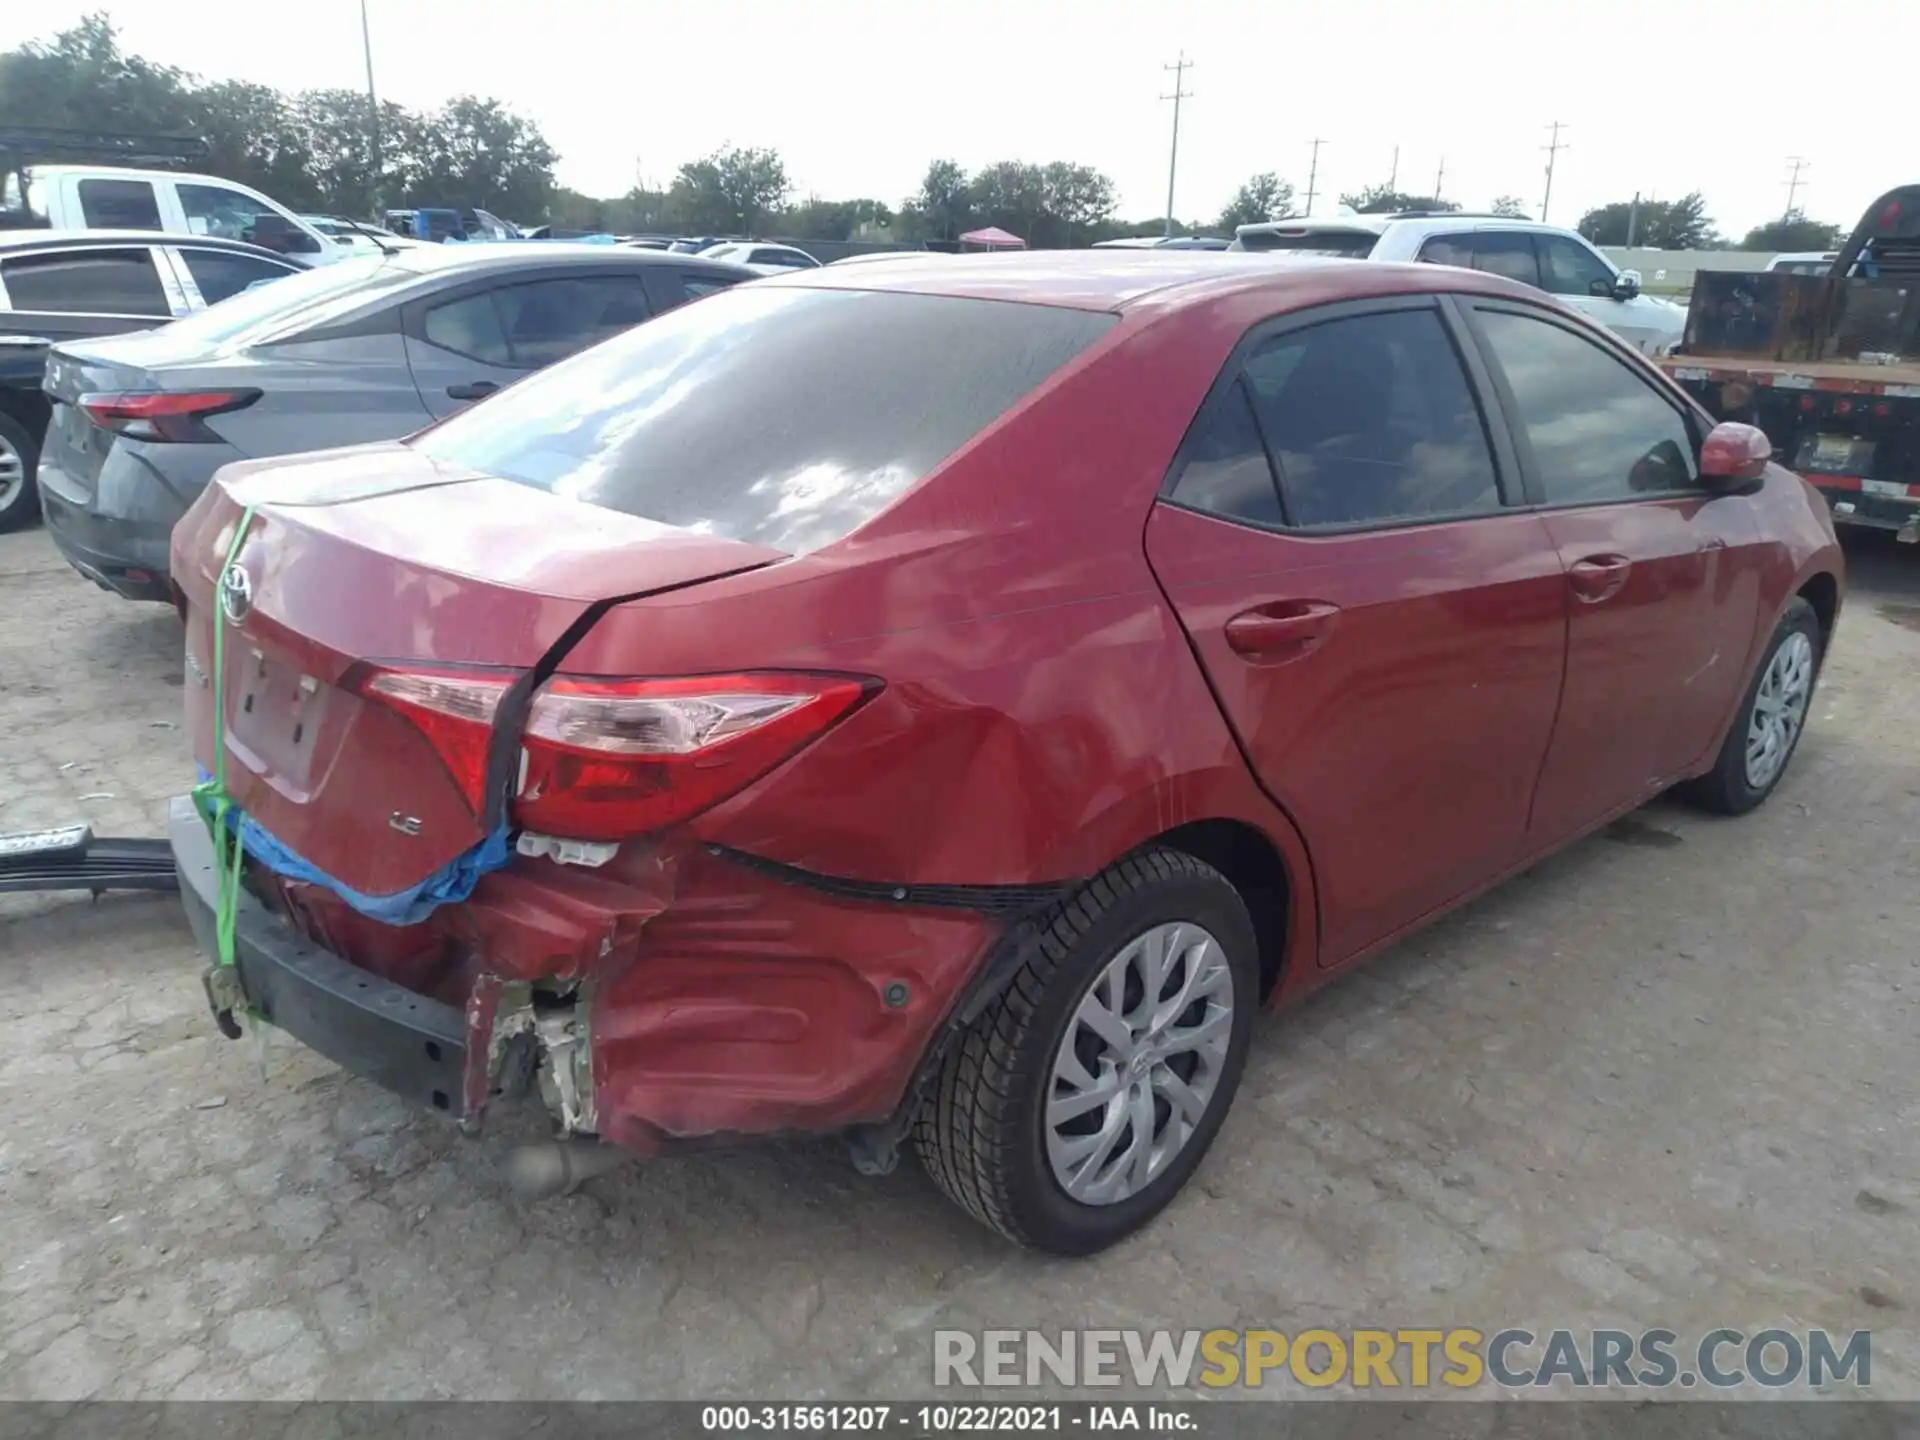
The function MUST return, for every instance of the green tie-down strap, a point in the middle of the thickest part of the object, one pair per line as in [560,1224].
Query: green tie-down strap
[216,806]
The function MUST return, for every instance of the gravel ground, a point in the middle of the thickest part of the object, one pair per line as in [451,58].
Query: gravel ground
[1665,1078]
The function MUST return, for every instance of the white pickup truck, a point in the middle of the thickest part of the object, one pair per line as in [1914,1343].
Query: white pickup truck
[105,197]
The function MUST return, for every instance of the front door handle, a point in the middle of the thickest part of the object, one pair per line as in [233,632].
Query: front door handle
[1598,577]
[1281,629]
[477,390]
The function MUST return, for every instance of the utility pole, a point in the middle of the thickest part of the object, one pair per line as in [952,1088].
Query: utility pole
[373,111]
[1180,92]
[1393,175]
[1553,149]
[1633,219]
[1439,180]
[1313,173]
[1795,165]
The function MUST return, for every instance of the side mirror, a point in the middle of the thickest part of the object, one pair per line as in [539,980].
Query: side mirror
[1626,285]
[1734,454]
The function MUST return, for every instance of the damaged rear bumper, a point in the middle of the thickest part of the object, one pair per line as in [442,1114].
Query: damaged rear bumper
[412,1045]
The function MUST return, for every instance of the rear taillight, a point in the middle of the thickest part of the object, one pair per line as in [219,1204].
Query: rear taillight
[610,759]
[168,417]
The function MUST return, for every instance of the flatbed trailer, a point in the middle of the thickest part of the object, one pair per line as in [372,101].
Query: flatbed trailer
[1828,365]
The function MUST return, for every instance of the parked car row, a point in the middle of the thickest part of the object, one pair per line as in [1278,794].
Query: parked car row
[66,285]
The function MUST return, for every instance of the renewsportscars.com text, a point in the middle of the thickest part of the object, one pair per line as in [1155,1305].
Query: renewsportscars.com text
[1458,1358]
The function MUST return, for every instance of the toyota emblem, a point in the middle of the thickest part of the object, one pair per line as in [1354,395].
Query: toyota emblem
[236,594]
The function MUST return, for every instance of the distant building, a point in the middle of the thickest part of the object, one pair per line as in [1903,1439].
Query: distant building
[1671,272]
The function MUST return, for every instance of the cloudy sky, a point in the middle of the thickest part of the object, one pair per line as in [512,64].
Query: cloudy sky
[1660,96]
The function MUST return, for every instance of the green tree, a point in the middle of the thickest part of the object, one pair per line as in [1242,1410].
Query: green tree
[1793,231]
[256,137]
[1385,200]
[817,219]
[1510,205]
[1078,198]
[82,80]
[1012,194]
[730,191]
[1262,198]
[1661,224]
[943,205]
[476,151]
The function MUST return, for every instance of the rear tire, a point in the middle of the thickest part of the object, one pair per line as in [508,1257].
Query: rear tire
[1772,717]
[1004,1129]
[19,460]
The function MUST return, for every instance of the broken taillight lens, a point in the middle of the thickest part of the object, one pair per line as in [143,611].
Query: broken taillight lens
[169,417]
[611,759]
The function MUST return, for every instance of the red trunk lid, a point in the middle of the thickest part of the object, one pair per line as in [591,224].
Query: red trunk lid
[378,554]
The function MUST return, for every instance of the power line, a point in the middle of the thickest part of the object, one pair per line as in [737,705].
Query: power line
[1553,149]
[1180,92]
[1313,174]
[1795,165]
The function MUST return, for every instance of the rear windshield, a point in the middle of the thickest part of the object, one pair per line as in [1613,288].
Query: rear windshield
[295,302]
[1344,244]
[786,417]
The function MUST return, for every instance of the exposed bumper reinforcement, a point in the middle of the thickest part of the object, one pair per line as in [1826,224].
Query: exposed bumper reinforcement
[408,1043]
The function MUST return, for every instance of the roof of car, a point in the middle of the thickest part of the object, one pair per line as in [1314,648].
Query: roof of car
[15,240]
[502,254]
[1116,279]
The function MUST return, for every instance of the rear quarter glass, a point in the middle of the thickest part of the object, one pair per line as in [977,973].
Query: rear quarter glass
[782,417]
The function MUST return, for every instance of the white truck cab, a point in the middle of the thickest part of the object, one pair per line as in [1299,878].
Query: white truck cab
[106,197]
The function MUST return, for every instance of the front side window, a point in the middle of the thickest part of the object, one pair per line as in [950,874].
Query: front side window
[221,273]
[784,417]
[1508,253]
[791,259]
[1371,420]
[1449,250]
[1598,431]
[230,215]
[88,282]
[119,205]
[1570,268]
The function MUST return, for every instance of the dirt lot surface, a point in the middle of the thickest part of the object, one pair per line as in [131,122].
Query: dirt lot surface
[1666,1078]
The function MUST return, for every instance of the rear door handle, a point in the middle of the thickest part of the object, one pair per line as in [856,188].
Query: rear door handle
[1598,577]
[477,390]
[1281,629]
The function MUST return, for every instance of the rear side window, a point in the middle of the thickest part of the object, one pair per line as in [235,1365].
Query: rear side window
[1567,268]
[1508,253]
[1371,420]
[1598,432]
[221,273]
[90,282]
[785,417]
[469,326]
[533,325]
[119,205]
[787,258]
[550,319]
[1227,473]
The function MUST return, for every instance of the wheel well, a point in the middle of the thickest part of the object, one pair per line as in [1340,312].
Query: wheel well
[1253,867]
[1823,593]
[30,407]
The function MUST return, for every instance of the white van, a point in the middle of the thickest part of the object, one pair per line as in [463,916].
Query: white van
[105,197]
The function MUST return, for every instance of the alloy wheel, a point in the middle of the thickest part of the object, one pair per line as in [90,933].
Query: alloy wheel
[1779,709]
[1139,1064]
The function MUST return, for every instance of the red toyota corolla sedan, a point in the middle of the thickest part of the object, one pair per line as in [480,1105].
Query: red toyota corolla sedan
[940,703]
